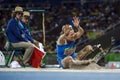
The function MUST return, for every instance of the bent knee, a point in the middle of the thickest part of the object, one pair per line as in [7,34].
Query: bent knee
[66,61]
[30,46]
[68,58]
[88,48]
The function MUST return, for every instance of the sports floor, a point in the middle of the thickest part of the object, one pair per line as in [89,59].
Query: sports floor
[58,74]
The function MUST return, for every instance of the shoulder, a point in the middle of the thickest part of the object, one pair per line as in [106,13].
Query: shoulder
[61,40]
[12,21]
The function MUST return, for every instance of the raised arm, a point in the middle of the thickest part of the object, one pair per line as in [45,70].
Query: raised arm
[76,22]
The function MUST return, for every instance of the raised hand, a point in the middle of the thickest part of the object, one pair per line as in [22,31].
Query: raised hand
[76,21]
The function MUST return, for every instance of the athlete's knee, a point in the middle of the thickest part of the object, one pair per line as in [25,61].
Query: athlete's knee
[88,48]
[66,61]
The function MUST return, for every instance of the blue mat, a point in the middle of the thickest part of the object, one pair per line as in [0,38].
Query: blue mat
[41,75]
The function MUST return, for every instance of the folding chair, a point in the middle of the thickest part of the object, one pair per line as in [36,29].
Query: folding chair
[8,47]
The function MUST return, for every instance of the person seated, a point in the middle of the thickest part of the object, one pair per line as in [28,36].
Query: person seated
[17,38]
[23,24]
[65,46]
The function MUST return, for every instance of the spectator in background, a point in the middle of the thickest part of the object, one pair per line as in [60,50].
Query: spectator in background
[17,38]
